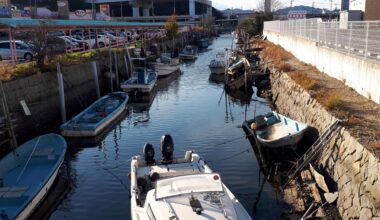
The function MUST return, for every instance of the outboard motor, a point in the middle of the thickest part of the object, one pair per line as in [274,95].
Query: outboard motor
[167,148]
[148,154]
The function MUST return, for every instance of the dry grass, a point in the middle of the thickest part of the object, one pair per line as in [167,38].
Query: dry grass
[273,52]
[374,144]
[285,67]
[333,102]
[330,100]
[303,80]
[354,120]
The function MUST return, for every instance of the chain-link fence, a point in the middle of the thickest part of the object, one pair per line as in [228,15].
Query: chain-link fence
[360,38]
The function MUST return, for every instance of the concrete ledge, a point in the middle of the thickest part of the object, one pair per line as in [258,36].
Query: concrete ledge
[359,73]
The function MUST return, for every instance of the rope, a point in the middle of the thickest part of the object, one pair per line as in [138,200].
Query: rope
[27,162]
[234,155]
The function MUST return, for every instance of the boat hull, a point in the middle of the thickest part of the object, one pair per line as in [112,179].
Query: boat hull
[73,128]
[94,132]
[142,88]
[28,174]
[217,70]
[187,57]
[39,197]
[289,141]
[165,70]
[240,82]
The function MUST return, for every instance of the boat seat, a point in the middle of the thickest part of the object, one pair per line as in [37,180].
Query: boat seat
[12,192]
[43,152]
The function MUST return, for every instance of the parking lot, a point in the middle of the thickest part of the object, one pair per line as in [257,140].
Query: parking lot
[73,41]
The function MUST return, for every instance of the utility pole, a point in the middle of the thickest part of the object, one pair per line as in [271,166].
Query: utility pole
[93,10]
[153,10]
[9,8]
[174,7]
[331,1]
[121,9]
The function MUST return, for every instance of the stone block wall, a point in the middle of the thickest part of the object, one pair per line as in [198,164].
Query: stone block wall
[348,163]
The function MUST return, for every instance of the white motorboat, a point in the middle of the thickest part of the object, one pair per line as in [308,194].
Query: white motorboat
[142,80]
[218,65]
[188,53]
[164,70]
[184,188]
[166,66]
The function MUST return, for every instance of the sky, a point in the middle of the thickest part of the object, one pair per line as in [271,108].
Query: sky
[252,4]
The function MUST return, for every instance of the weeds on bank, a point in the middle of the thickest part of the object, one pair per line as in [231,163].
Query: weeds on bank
[8,72]
[330,101]
[374,144]
[303,80]
[285,67]
[334,102]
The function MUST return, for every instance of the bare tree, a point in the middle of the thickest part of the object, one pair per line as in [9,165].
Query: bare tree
[274,5]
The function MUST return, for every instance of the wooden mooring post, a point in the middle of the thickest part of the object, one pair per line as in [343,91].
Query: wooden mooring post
[9,124]
[96,80]
[61,89]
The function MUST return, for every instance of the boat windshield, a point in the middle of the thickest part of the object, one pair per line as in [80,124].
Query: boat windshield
[188,184]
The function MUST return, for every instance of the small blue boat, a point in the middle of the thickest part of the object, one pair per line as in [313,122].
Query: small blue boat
[274,130]
[96,117]
[27,174]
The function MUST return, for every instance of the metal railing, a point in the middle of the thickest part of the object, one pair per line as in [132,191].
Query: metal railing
[361,38]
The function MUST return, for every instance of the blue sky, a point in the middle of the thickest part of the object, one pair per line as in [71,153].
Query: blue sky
[249,4]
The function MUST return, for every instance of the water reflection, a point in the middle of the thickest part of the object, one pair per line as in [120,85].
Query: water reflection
[200,116]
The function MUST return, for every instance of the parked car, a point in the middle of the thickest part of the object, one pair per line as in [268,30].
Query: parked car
[79,44]
[23,50]
[115,38]
[103,40]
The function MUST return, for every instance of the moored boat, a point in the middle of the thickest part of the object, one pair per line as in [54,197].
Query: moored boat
[188,53]
[164,70]
[239,74]
[218,65]
[142,80]
[275,130]
[179,188]
[94,119]
[27,174]
[203,43]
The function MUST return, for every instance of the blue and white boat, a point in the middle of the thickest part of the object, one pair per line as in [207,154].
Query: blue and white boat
[94,119]
[27,174]
[142,80]
[274,130]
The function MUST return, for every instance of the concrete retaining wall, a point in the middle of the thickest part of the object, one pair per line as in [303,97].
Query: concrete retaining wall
[40,92]
[350,165]
[358,73]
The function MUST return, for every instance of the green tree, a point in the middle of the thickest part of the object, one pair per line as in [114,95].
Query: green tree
[171,27]
[254,25]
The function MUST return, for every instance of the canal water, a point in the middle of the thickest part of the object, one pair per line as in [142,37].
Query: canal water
[200,116]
